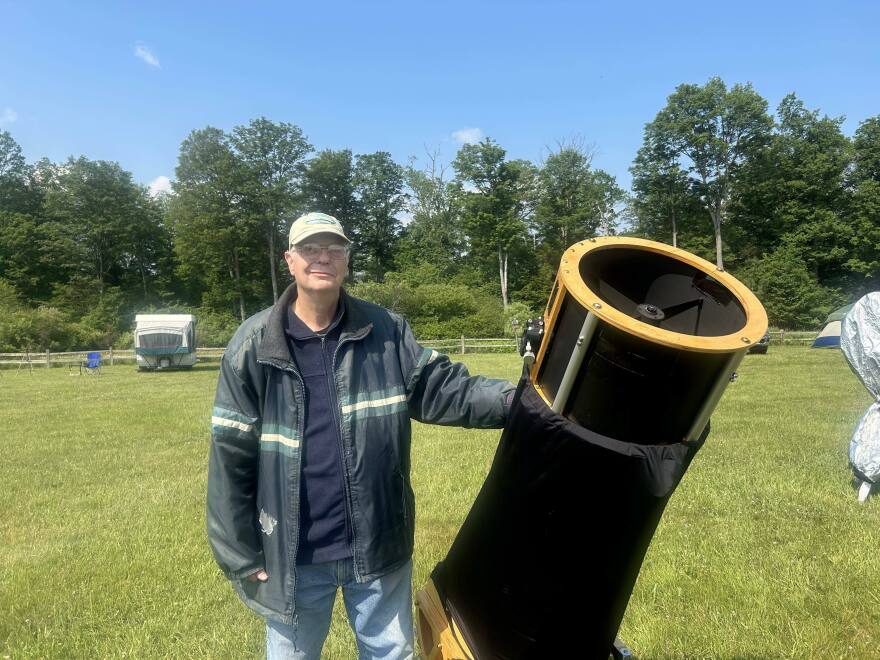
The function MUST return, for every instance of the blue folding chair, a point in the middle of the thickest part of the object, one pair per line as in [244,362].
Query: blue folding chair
[92,364]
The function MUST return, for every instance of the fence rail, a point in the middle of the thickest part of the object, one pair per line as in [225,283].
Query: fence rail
[68,358]
[792,337]
[473,345]
[114,355]
[461,345]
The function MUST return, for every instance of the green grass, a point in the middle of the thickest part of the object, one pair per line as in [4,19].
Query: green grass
[763,550]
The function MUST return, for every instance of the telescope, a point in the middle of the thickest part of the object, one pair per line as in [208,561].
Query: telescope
[622,373]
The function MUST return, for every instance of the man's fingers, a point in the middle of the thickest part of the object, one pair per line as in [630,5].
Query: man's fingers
[260,575]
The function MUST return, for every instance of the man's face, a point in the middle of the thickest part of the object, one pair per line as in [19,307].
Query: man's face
[323,271]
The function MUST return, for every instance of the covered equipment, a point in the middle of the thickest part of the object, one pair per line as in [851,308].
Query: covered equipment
[829,335]
[860,343]
[165,341]
[640,340]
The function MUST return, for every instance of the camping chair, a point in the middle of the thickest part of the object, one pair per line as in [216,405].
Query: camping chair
[92,364]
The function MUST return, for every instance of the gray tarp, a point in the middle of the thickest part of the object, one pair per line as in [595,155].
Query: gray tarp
[860,343]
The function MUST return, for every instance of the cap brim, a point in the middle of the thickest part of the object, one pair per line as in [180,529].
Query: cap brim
[308,233]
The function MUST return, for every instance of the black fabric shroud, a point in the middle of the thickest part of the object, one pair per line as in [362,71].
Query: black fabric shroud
[546,560]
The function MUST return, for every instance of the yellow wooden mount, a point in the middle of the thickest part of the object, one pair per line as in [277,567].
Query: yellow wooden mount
[439,638]
[569,278]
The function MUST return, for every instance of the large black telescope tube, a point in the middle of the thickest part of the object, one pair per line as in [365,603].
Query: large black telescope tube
[640,342]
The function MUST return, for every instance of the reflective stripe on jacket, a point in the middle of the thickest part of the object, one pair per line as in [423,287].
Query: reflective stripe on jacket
[383,378]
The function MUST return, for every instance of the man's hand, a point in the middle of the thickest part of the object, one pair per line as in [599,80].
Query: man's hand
[260,575]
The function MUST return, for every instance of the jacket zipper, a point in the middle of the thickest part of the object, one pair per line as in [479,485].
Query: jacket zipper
[331,387]
[346,486]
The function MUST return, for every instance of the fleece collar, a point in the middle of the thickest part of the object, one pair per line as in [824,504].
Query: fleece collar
[274,349]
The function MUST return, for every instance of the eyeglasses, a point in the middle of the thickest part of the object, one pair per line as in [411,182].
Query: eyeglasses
[310,251]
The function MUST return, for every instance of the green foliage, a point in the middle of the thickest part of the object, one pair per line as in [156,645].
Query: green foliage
[435,232]
[328,187]
[792,296]
[214,329]
[9,300]
[378,184]
[709,132]
[794,192]
[574,202]
[864,257]
[515,317]
[271,160]
[435,309]
[664,205]
[36,330]
[215,240]
[82,244]
[496,196]
[866,144]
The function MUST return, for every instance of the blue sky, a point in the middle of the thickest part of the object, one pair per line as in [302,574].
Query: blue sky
[128,81]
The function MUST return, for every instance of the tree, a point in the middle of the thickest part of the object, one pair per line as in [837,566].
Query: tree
[18,192]
[272,159]
[96,215]
[20,202]
[609,199]
[792,296]
[216,244]
[378,184]
[21,255]
[328,187]
[566,208]
[711,131]
[866,143]
[493,202]
[663,203]
[864,258]
[12,161]
[150,249]
[794,193]
[434,233]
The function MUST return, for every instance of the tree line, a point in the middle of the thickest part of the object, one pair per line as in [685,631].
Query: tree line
[785,201]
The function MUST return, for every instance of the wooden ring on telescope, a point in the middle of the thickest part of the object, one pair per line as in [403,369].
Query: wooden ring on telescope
[640,318]
[756,317]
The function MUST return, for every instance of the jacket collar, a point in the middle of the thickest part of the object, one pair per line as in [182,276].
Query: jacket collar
[274,349]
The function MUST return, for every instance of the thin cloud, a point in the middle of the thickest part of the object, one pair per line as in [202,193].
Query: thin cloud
[8,116]
[159,186]
[467,135]
[144,53]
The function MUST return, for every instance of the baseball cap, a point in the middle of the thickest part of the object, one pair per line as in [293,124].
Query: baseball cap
[315,223]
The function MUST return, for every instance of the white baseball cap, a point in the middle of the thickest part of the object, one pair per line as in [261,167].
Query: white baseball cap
[315,223]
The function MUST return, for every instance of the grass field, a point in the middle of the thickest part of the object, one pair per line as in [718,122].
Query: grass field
[763,550]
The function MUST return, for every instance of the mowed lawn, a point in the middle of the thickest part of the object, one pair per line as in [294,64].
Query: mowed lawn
[763,551]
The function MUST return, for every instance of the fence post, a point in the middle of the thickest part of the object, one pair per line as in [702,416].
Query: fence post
[48,359]
[111,356]
[462,344]
[782,338]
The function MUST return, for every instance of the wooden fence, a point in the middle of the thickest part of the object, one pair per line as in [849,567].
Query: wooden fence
[450,346]
[795,337]
[112,355]
[74,358]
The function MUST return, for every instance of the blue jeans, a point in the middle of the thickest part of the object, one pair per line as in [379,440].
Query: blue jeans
[380,613]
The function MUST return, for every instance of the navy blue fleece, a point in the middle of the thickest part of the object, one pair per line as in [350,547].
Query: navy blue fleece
[324,527]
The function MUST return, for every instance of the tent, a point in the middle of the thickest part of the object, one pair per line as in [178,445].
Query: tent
[829,335]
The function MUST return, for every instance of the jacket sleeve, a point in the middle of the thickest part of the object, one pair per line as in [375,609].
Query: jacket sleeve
[440,391]
[232,475]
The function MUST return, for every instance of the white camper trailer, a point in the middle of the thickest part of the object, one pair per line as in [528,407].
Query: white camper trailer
[165,341]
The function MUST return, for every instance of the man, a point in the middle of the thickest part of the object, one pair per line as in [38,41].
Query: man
[308,481]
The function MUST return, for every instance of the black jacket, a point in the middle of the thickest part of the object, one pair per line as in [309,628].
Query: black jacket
[383,379]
